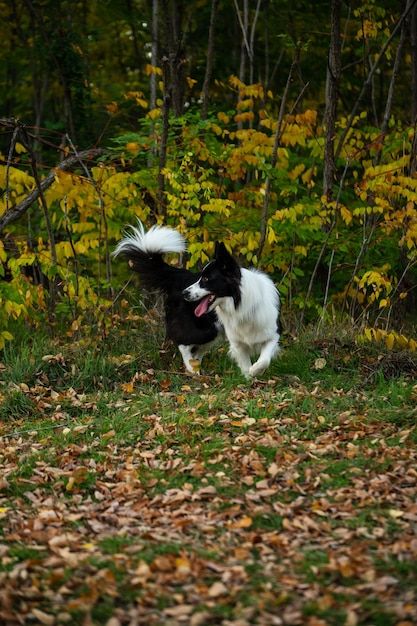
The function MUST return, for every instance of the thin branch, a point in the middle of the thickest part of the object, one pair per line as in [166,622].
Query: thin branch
[324,246]
[9,160]
[277,139]
[15,212]
[209,64]
[242,27]
[394,76]
[370,77]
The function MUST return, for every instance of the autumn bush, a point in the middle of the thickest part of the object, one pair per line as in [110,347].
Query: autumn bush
[354,257]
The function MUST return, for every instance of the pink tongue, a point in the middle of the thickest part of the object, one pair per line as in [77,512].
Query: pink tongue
[202,307]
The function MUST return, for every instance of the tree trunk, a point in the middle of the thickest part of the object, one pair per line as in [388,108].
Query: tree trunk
[68,106]
[174,54]
[332,97]
[136,45]
[413,38]
[164,138]
[209,63]
[394,75]
[154,53]
[244,48]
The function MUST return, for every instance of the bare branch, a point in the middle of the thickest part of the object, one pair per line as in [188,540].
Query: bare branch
[369,78]
[13,213]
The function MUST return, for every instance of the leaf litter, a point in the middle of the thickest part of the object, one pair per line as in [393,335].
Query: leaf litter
[268,504]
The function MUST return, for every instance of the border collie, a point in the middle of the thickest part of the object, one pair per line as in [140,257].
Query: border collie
[193,334]
[247,304]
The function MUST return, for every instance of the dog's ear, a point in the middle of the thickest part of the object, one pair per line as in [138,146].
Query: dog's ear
[221,254]
[219,250]
[225,260]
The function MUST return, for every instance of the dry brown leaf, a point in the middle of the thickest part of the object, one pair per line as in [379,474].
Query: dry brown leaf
[44,618]
[181,610]
[217,589]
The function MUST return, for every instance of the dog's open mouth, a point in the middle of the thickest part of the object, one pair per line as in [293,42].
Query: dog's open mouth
[203,306]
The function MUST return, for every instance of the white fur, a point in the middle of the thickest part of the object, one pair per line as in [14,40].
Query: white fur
[251,327]
[192,355]
[157,240]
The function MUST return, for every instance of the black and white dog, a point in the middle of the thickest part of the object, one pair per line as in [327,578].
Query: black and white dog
[247,304]
[193,334]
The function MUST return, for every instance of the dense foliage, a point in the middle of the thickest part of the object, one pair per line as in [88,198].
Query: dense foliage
[248,169]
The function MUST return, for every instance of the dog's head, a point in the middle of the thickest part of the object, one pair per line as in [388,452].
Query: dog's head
[219,279]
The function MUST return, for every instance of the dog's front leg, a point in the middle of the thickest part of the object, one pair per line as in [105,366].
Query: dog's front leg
[241,354]
[268,351]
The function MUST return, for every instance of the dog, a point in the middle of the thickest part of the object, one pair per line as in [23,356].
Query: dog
[193,334]
[247,305]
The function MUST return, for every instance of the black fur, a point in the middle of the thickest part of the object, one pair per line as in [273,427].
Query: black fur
[182,326]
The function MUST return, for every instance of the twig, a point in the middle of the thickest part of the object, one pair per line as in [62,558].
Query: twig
[324,246]
[9,160]
[370,76]
[278,134]
[15,212]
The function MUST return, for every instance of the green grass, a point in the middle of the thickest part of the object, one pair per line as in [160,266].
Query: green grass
[288,496]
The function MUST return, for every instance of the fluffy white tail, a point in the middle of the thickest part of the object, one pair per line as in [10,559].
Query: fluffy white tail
[157,240]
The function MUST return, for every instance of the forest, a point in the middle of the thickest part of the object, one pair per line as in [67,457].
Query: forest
[285,129]
[133,492]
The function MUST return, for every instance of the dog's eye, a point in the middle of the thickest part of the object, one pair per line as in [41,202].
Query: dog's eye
[204,279]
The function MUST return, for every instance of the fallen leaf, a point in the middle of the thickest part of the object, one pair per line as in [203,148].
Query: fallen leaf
[243,522]
[179,610]
[44,618]
[217,589]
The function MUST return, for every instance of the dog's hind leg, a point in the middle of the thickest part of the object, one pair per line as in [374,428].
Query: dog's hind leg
[191,355]
[269,350]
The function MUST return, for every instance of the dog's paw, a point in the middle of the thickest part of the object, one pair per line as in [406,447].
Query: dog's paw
[257,369]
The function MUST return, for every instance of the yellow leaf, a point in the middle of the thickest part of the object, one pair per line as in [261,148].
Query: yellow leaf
[155,113]
[183,564]
[402,341]
[19,148]
[3,254]
[390,340]
[127,387]
[383,303]
[223,117]
[243,522]
[153,69]
[395,513]
[346,215]
[368,334]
